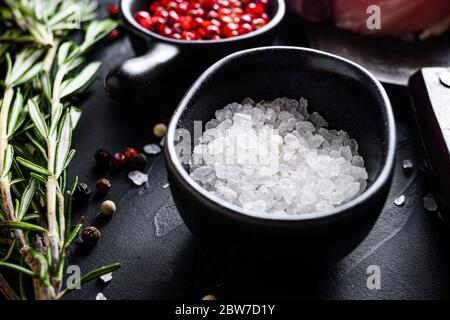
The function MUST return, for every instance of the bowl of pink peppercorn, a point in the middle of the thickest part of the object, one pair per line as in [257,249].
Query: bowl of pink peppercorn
[176,40]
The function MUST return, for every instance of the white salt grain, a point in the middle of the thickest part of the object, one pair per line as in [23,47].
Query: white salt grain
[100,296]
[138,177]
[165,186]
[274,157]
[408,166]
[106,277]
[429,203]
[152,149]
[399,201]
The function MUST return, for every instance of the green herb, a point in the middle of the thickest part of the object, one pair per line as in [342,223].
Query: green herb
[43,71]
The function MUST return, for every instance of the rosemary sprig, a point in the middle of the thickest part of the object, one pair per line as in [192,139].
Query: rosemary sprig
[44,71]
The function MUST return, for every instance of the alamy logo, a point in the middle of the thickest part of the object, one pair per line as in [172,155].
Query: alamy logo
[73,280]
[374,279]
[374,20]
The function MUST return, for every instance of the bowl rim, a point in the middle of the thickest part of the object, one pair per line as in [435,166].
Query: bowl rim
[384,175]
[128,18]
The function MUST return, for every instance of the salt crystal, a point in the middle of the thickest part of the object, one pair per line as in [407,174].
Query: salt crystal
[152,149]
[303,106]
[211,124]
[242,120]
[318,120]
[400,200]
[274,157]
[346,153]
[291,105]
[358,161]
[100,296]
[429,203]
[138,177]
[248,100]
[286,125]
[284,115]
[201,173]
[408,166]
[304,126]
[258,206]
[165,186]
[315,141]
[106,277]
[354,147]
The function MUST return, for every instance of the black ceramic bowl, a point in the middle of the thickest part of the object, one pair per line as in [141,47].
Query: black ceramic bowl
[348,96]
[166,63]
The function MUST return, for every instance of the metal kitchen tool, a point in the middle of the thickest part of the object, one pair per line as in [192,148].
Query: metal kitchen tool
[429,90]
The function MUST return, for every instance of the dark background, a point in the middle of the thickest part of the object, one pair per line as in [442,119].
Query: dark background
[161,259]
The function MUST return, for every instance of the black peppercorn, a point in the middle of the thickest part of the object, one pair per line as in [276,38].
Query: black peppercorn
[103,158]
[81,193]
[138,162]
[103,186]
[90,235]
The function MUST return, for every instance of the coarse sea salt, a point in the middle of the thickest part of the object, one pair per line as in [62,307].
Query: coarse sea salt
[152,149]
[100,296]
[275,157]
[429,203]
[138,177]
[106,277]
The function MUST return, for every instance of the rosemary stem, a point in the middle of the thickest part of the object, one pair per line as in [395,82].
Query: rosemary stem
[50,56]
[52,183]
[61,217]
[57,88]
[5,190]
[52,224]
[49,59]
[4,113]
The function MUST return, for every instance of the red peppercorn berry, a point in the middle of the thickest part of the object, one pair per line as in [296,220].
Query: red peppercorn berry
[129,153]
[144,19]
[259,22]
[264,3]
[255,9]
[119,160]
[203,19]
[113,10]
[189,35]
[113,35]
[245,28]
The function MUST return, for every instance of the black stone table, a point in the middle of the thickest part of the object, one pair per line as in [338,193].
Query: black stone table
[161,259]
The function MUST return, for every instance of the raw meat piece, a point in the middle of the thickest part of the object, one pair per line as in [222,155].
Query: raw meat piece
[398,17]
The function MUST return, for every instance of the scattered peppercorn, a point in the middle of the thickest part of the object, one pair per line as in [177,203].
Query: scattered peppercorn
[209,297]
[108,208]
[103,185]
[159,130]
[90,235]
[81,193]
[130,153]
[113,35]
[119,161]
[138,162]
[103,158]
[113,10]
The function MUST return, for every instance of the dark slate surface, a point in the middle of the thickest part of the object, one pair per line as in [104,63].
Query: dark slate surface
[161,259]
